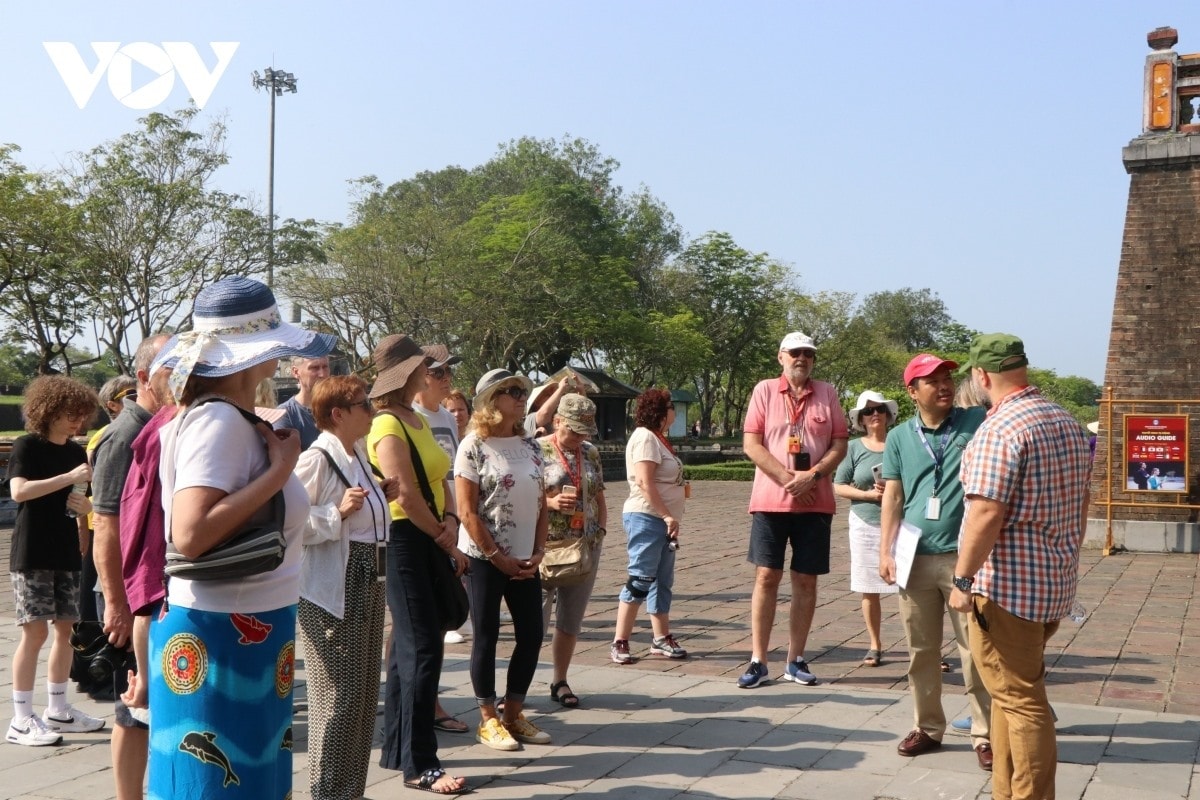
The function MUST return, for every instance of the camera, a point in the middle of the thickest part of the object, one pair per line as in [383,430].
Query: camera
[110,660]
[101,658]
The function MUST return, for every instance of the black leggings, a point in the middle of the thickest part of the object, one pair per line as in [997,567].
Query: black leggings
[487,585]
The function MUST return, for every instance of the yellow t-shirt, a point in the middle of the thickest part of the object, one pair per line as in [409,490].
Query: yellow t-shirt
[433,458]
[90,449]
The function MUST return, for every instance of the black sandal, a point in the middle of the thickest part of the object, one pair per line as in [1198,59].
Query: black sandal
[565,699]
[429,779]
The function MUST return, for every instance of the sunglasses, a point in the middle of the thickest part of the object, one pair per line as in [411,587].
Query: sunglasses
[515,392]
[365,405]
[871,411]
[796,352]
[440,372]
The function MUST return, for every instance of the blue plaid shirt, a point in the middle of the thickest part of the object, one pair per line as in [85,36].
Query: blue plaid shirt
[1032,456]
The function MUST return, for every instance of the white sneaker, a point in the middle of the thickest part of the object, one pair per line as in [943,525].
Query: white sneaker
[454,637]
[505,617]
[31,732]
[71,720]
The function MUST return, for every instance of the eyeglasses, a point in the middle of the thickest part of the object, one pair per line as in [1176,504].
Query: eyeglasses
[797,352]
[437,373]
[871,411]
[365,405]
[515,392]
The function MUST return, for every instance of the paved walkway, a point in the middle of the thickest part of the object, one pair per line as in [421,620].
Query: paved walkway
[1124,683]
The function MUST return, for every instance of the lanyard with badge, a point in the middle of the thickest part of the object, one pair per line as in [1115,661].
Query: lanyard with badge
[576,477]
[799,457]
[933,504]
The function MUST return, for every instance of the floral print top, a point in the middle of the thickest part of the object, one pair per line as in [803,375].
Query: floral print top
[508,471]
[559,475]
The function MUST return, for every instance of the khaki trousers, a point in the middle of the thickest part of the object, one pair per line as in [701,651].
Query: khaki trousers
[922,610]
[1011,657]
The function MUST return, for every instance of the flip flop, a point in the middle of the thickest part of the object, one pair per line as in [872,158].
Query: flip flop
[873,658]
[450,725]
[429,779]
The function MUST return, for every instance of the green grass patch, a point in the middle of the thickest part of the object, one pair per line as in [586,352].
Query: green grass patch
[731,471]
[11,399]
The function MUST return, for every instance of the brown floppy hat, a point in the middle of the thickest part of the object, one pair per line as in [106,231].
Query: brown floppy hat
[395,358]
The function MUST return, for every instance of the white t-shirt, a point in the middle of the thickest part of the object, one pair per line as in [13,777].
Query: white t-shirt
[644,445]
[508,471]
[444,428]
[216,448]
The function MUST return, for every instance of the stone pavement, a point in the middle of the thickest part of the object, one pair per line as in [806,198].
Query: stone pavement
[1124,683]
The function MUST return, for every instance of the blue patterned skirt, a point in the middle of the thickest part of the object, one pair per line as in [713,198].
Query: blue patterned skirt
[221,704]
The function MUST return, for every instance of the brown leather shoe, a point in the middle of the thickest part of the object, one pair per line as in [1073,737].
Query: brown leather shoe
[984,753]
[918,742]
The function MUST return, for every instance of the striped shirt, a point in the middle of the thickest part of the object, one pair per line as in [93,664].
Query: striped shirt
[1032,456]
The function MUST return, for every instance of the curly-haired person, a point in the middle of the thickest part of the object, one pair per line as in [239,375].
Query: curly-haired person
[651,518]
[45,560]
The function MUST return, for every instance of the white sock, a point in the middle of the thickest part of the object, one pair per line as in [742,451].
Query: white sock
[22,704]
[57,703]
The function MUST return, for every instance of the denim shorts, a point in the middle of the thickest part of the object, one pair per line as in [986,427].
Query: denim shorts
[651,562]
[808,533]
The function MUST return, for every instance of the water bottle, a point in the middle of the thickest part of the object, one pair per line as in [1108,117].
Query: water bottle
[1078,613]
[80,489]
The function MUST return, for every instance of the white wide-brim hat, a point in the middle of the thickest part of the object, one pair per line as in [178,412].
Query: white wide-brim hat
[235,326]
[491,382]
[871,396]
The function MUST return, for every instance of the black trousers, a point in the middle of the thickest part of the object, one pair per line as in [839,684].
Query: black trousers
[487,585]
[415,653]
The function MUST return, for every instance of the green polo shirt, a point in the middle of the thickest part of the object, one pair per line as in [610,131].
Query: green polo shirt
[906,459]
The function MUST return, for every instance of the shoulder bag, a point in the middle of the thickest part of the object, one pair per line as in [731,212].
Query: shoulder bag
[449,594]
[571,559]
[252,551]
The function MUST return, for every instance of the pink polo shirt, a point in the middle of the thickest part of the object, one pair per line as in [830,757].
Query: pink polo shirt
[822,421]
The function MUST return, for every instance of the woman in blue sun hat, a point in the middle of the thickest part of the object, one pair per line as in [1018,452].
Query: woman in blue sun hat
[224,647]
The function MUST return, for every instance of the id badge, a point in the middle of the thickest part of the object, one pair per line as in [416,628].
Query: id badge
[577,521]
[793,444]
[380,562]
[933,508]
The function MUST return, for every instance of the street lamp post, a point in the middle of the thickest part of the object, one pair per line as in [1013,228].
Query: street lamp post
[276,82]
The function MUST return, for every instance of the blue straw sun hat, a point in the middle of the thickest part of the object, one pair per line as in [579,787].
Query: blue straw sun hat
[236,325]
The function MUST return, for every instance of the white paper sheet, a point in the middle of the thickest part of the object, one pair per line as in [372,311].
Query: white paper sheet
[906,550]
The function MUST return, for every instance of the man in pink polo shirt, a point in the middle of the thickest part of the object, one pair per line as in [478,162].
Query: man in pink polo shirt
[796,436]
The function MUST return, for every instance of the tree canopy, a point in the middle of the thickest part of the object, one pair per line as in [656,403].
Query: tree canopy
[533,260]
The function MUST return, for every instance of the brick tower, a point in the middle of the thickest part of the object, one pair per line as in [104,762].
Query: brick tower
[1154,347]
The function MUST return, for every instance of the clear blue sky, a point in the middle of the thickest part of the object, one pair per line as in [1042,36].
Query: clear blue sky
[969,147]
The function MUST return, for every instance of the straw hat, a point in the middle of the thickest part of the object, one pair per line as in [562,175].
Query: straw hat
[440,356]
[395,358]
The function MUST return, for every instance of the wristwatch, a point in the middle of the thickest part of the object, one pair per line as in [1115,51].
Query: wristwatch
[963,584]
[817,475]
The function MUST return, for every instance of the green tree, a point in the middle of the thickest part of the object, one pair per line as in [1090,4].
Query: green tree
[852,354]
[910,318]
[154,230]
[40,301]
[18,366]
[740,300]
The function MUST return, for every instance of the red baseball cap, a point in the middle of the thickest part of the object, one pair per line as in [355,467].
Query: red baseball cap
[924,365]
